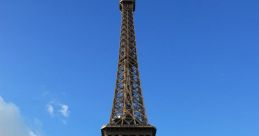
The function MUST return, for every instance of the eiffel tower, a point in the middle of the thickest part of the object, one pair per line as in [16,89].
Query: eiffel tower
[128,117]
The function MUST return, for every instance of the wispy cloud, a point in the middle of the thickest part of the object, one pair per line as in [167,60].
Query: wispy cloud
[64,110]
[50,109]
[11,122]
[58,110]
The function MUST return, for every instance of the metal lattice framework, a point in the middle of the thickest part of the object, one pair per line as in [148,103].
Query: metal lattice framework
[128,107]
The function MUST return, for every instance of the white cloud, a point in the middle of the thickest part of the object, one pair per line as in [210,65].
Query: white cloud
[64,110]
[50,109]
[11,123]
[58,110]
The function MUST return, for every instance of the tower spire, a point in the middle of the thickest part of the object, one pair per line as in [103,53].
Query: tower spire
[128,111]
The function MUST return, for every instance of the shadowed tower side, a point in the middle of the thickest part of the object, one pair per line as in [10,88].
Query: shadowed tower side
[128,117]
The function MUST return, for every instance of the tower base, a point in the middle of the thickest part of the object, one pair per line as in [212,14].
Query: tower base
[128,131]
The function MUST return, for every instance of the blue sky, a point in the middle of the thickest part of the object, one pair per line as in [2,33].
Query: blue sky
[198,61]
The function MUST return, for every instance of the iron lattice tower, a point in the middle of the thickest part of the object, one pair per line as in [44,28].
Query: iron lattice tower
[128,115]
[128,107]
